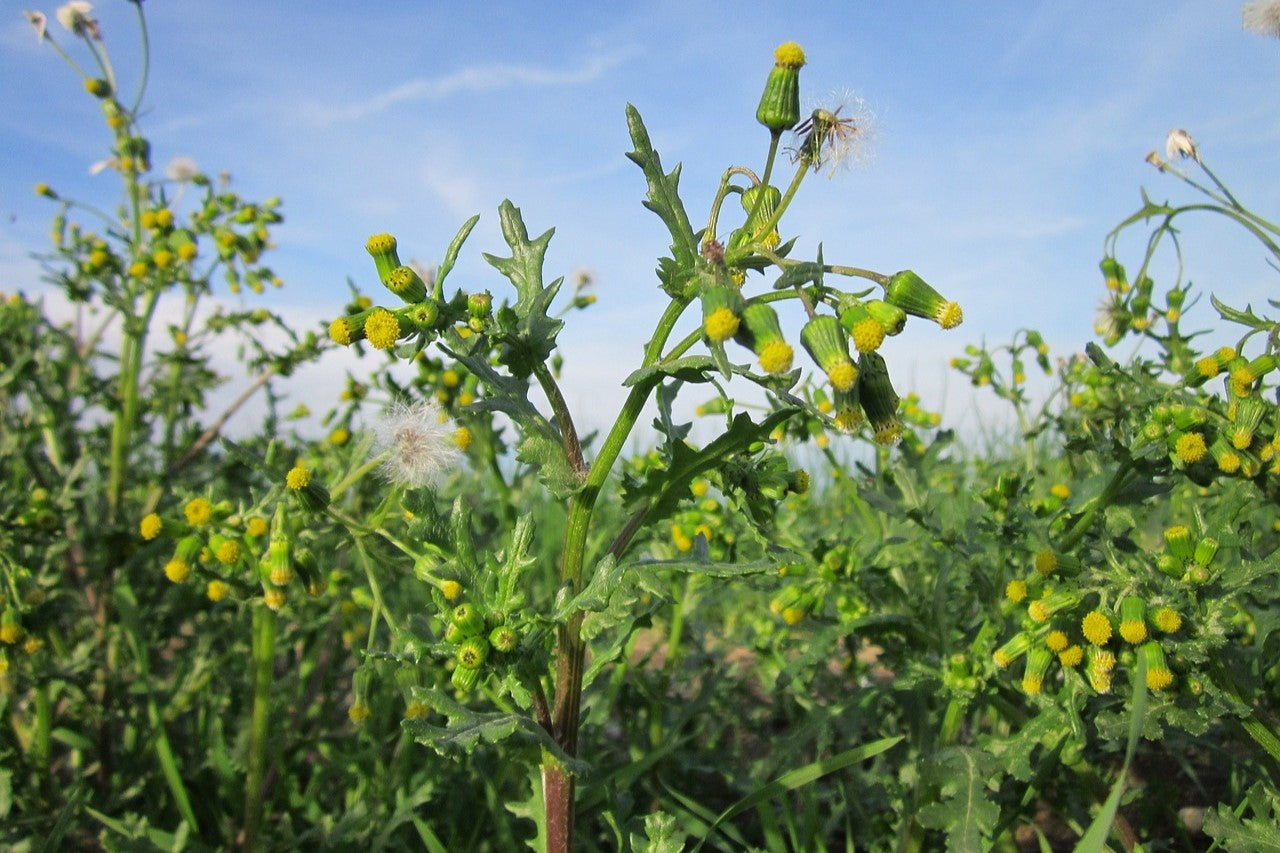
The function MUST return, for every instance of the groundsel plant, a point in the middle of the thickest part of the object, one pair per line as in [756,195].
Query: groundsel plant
[529,656]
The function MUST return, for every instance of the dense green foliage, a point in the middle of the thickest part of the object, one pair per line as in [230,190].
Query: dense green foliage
[358,643]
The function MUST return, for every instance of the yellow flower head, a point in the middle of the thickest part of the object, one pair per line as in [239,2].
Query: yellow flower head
[382,329]
[151,526]
[1046,561]
[256,526]
[868,334]
[776,357]
[1016,591]
[1190,447]
[1071,656]
[216,590]
[451,590]
[1167,620]
[228,552]
[1096,628]
[177,570]
[198,511]
[298,477]
[1056,641]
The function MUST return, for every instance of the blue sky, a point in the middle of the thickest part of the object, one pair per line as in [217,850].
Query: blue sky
[1009,139]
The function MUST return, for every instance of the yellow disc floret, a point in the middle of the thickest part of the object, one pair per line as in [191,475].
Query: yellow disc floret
[198,511]
[297,478]
[228,552]
[382,329]
[1016,591]
[842,375]
[1190,447]
[721,325]
[340,331]
[789,54]
[151,526]
[868,334]
[177,570]
[1096,628]
[949,315]
[776,357]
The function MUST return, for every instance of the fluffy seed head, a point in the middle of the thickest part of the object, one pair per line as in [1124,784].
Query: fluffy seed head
[420,442]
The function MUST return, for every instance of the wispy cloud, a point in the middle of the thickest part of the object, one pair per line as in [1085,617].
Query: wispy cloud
[480,78]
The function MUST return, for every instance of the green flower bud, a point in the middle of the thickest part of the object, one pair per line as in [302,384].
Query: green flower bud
[1018,646]
[468,619]
[867,332]
[827,343]
[383,249]
[1206,550]
[760,202]
[1158,674]
[1167,564]
[893,318]
[878,399]
[761,333]
[721,313]
[422,317]
[97,87]
[1177,540]
[464,678]
[348,330]
[779,108]
[503,638]
[1038,660]
[472,653]
[1133,619]
[1042,608]
[404,282]
[1113,273]
[480,305]
[910,293]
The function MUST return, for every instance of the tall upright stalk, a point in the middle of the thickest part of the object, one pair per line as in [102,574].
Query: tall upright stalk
[557,782]
[262,668]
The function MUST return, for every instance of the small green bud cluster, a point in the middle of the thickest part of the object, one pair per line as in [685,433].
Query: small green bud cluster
[477,638]
[425,313]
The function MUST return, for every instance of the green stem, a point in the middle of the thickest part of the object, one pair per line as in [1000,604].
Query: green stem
[558,784]
[1255,725]
[1119,480]
[43,730]
[263,671]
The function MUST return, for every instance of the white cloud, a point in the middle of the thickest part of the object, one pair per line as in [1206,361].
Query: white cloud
[480,78]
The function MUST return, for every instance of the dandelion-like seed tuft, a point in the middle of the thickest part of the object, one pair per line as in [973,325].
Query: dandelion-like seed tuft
[1262,17]
[419,442]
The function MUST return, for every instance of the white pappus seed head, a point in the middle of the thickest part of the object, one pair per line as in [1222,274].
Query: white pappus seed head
[418,438]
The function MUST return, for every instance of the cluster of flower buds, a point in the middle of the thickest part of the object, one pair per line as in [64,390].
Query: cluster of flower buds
[425,313]
[476,637]
[238,554]
[1073,627]
[843,344]
[844,347]
[1129,307]
[1187,557]
[706,518]
[1198,438]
